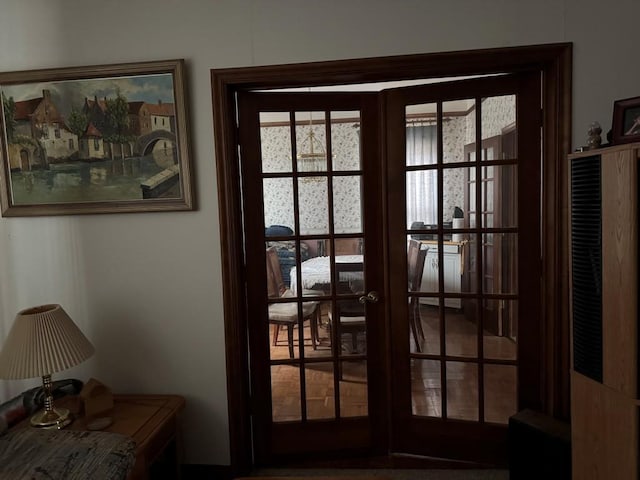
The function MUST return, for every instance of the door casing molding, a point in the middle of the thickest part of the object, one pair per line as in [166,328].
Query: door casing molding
[553,61]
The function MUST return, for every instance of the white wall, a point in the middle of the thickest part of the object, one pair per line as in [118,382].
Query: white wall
[146,288]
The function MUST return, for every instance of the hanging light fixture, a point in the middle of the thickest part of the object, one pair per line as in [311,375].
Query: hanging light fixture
[312,156]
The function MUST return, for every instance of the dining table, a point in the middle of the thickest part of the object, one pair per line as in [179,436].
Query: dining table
[316,272]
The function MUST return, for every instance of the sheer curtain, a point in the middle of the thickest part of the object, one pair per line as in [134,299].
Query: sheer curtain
[422,186]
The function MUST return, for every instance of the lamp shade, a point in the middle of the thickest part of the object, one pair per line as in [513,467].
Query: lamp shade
[43,340]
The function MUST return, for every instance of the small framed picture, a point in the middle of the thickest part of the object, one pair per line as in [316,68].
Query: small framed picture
[626,121]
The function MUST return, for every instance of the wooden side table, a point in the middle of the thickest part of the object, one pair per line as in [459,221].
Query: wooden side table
[151,420]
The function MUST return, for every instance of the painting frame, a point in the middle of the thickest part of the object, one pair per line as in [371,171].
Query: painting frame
[626,121]
[63,157]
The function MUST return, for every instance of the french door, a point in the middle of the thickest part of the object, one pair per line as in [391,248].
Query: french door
[335,367]
[310,164]
[453,397]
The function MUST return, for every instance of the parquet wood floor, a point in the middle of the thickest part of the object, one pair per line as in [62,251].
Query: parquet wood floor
[499,381]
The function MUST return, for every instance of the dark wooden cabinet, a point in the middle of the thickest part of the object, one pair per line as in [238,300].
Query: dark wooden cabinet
[604,313]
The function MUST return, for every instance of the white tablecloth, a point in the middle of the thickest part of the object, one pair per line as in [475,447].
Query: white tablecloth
[317,270]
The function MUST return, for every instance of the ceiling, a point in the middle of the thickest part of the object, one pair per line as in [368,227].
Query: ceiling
[426,109]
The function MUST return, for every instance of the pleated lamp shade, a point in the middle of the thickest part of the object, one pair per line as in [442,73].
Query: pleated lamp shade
[43,340]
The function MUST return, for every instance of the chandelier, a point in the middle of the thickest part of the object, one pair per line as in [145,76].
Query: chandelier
[312,156]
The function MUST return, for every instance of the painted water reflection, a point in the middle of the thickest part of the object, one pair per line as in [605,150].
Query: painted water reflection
[98,181]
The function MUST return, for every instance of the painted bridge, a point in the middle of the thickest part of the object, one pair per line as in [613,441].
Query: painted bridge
[145,143]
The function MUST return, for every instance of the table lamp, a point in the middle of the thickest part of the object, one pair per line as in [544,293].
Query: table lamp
[44,340]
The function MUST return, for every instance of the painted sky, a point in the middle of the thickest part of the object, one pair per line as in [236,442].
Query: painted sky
[71,93]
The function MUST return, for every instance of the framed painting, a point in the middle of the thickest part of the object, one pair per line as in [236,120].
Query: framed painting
[626,121]
[98,139]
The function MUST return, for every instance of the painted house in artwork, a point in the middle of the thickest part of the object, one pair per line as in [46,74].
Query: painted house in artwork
[139,119]
[91,144]
[41,135]
[96,111]
[163,116]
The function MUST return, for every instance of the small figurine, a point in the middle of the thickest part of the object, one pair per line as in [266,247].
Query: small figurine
[594,140]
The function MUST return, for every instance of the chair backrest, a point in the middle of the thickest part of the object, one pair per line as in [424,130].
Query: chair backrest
[275,283]
[344,246]
[349,277]
[416,255]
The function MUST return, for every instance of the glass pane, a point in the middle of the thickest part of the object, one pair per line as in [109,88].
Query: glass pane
[281,257]
[487,220]
[461,334]
[313,205]
[472,191]
[351,325]
[345,141]
[500,252]
[346,247]
[462,390]
[431,271]
[422,136]
[454,269]
[353,389]
[285,260]
[285,393]
[453,180]
[311,145]
[319,390]
[500,195]
[426,388]
[430,321]
[498,113]
[470,130]
[278,204]
[416,256]
[275,142]
[469,277]
[489,191]
[312,247]
[315,277]
[508,254]
[500,344]
[347,204]
[500,393]
[284,334]
[489,152]
[422,199]
[457,131]
[323,332]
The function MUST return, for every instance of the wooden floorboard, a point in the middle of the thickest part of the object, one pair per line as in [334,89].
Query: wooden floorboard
[500,381]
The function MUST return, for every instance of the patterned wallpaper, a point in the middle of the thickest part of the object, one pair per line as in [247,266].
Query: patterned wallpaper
[453,151]
[497,113]
[313,193]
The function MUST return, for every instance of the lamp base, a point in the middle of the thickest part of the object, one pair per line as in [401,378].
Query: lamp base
[54,418]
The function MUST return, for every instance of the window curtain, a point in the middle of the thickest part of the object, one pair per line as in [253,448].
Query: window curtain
[422,198]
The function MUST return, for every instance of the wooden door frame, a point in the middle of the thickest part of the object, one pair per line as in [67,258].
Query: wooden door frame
[553,61]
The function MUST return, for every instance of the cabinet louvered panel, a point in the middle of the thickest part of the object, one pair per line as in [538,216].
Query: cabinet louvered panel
[586,259]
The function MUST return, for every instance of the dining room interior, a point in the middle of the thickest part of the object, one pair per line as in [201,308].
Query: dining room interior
[313,226]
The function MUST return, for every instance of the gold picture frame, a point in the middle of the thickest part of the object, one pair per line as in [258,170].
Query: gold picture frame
[97,139]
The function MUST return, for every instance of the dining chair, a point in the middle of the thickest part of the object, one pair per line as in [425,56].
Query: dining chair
[416,255]
[344,246]
[350,312]
[286,314]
